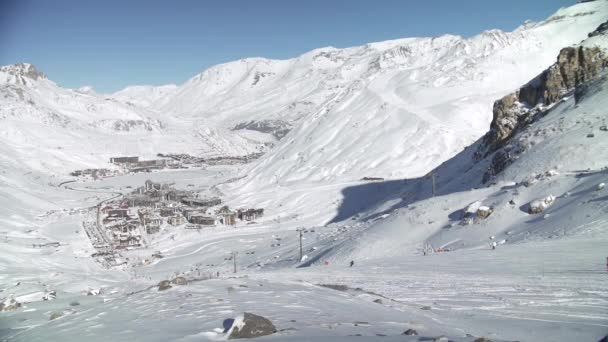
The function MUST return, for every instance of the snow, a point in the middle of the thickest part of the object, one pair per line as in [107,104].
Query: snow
[394,110]
[539,206]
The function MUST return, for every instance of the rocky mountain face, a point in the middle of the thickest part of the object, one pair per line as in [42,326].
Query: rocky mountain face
[21,73]
[574,67]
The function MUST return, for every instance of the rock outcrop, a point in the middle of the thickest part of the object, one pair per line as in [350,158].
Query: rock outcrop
[9,304]
[179,281]
[164,285]
[250,326]
[575,67]
[540,205]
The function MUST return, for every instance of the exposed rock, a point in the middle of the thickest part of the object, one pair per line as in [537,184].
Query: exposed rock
[249,326]
[603,28]
[336,287]
[482,339]
[574,66]
[74,303]
[590,135]
[278,128]
[164,285]
[484,212]
[55,315]
[499,162]
[410,332]
[440,339]
[426,307]
[541,205]
[600,186]
[179,281]
[379,301]
[9,304]
[22,72]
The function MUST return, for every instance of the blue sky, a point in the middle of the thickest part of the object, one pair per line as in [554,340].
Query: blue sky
[111,44]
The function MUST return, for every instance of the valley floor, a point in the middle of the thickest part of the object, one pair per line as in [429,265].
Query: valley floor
[549,290]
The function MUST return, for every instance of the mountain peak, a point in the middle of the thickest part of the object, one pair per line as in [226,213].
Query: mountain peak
[20,73]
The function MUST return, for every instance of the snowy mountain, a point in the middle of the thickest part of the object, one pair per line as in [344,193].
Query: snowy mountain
[541,180]
[388,154]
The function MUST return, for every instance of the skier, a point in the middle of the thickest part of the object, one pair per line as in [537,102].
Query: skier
[352,262]
[493,245]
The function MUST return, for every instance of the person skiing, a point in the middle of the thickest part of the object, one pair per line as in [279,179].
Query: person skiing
[352,262]
[493,245]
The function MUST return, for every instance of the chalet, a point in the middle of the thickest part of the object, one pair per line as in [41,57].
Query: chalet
[189,212]
[176,195]
[168,211]
[177,220]
[201,202]
[142,201]
[152,224]
[250,214]
[124,160]
[150,185]
[105,210]
[123,227]
[228,219]
[118,212]
[129,241]
[202,220]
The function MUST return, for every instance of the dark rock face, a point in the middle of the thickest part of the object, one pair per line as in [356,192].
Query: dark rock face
[164,285]
[179,281]
[603,28]
[500,161]
[10,305]
[482,339]
[410,332]
[23,71]
[278,128]
[252,326]
[574,66]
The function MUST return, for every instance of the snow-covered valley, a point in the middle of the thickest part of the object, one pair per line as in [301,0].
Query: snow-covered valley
[396,194]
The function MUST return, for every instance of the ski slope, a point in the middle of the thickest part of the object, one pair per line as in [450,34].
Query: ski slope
[393,110]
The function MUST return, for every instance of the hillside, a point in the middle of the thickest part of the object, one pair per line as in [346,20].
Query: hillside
[451,188]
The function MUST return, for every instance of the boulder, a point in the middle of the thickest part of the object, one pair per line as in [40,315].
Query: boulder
[410,332]
[55,315]
[483,212]
[379,301]
[249,325]
[179,281]
[164,285]
[482,339]
[601,186]
[9,304]
[540,205]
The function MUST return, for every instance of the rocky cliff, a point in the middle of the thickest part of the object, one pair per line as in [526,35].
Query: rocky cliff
[574,67]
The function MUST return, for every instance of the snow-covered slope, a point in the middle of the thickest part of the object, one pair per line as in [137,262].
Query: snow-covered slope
[547,181]
[393,109]
[389,109]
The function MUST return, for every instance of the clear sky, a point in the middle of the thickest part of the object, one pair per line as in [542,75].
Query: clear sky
[110,44]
